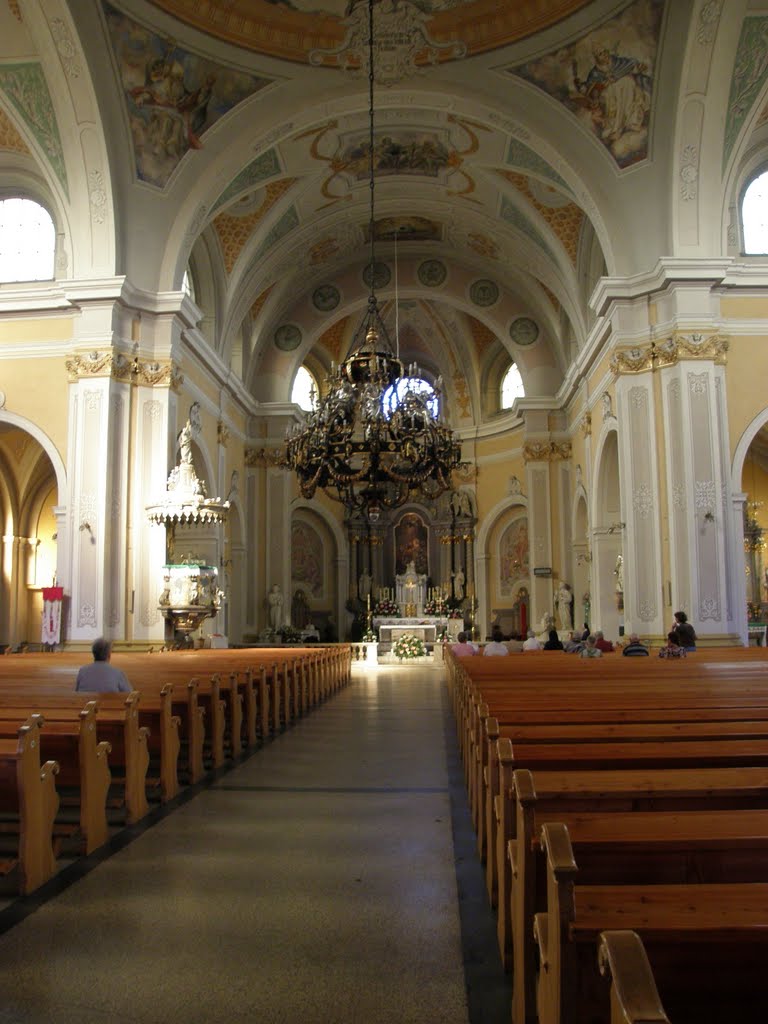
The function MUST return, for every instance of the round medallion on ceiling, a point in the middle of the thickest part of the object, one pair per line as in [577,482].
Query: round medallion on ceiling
[432,273]
[484,292]
[326,297]
[287,337]
[381,275]
[524,331]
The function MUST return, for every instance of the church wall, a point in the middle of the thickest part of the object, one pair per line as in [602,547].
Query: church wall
[745,382]
[44,405]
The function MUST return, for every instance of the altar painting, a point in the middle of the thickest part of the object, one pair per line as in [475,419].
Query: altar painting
[411,544]
[307,558]
[514,562]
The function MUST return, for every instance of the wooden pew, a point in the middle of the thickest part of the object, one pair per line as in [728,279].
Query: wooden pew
[707,943]
[28,791]
[69,737]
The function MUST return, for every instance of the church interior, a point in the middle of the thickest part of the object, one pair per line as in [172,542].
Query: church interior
[560,243]
[552,219]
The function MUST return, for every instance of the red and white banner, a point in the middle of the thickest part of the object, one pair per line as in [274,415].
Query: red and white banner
[52,600]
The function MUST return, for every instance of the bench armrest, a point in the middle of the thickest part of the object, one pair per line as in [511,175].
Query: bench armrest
[634,998]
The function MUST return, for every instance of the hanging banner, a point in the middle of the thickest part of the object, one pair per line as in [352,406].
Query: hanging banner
[52,601]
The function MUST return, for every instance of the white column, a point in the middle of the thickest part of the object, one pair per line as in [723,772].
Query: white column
[640,504]
[699,500]
[540,539]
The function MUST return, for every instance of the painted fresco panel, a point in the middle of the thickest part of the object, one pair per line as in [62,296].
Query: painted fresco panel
[307,558]
[514,562]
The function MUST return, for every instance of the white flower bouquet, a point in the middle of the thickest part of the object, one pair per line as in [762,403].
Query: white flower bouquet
[409,646]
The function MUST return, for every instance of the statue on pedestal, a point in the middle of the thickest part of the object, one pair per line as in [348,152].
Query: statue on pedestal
[564,606]
[275,602]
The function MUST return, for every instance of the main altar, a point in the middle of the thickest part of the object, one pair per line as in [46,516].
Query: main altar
[427,627]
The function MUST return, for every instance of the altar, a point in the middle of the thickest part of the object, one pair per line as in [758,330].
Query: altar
[427,628]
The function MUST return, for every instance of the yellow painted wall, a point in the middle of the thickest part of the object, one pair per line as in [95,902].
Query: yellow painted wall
[37,390]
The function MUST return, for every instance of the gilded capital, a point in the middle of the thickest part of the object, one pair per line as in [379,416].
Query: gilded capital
[670,351]
[546,451]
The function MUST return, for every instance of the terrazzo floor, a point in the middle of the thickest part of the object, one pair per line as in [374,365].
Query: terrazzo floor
[330,879]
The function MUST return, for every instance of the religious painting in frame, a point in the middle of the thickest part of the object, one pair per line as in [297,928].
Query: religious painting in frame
[411,544]
[514,560]
[307,558]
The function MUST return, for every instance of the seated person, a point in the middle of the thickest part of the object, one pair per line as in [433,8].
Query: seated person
[601,643]
[554,642]
[100,676]
[673,649]
[684,632]
[585,632]
[532,643]
[496,645]
[634,648]
[574,644]
[463,649]
[590,648]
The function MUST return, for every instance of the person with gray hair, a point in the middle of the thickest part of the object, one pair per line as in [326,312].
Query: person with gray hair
[100,676]
[634,648]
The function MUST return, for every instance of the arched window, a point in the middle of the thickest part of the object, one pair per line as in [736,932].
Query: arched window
[511,387]
[304,392]
[396,392]
[754,216]
[188,284]
[27,241]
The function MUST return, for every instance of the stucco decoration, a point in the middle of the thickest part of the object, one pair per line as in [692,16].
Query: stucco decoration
[605,79]
[432,273]
[25,87]
[420,152]
[526,159]
[266,165]
[234,229]
[512,214]
[172,96]
[546,451]
[484,292]
[750,70]
[514,559]
[523,331]
[293,29]
[670,351]
[326,297]
[287,337]
[9,136]
[405,228]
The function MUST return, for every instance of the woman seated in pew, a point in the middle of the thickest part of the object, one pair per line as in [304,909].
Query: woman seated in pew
[590,648]
[554,643]
[673,648]
[463,649]
[497,645]
[573,645]
[100,676]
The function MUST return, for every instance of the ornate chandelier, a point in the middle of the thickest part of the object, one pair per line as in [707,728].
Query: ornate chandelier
[375,434]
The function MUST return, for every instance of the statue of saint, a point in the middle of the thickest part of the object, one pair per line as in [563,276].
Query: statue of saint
[458,585]
[619,574]
[564,606]
[364,586]
[185,443]
[275,602]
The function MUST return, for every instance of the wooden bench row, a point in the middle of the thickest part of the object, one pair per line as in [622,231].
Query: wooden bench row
[108,750]
[647,816]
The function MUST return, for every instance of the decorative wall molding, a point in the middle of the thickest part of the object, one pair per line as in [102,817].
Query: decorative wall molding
[546,451]
[672,350]
[127,371]
[585,424]
[222,433]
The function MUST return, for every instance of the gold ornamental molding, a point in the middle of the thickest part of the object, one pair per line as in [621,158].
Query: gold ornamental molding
[672,350]
[585,424]
[126,371]
[258,457]
[222,433]
[546,451]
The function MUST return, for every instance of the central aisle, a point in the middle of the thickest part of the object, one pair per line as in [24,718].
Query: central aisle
[314,884]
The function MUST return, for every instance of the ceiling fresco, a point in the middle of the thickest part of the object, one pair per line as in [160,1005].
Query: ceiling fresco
[172,96]
[606,78]
[326,31]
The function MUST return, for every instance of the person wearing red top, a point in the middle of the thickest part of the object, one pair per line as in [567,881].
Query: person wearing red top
[463,649]
[602,644]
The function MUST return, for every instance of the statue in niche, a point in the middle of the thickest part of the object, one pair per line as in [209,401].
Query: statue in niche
[565,606]
[618,572]
[607,406]
[275,602]
[364,586]
[458,585]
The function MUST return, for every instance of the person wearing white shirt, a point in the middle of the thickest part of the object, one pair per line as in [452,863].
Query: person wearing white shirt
[497,645]
[531,644]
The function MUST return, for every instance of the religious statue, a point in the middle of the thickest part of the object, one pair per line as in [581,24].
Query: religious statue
[564,606]
[618,572]
[185,443]
[275,602]
[364,586]
[458,585]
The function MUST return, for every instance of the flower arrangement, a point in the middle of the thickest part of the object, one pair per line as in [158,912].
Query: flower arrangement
[289,634]
[387,608]
[455,613]
[435,606]
[409,646]
[370,636]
